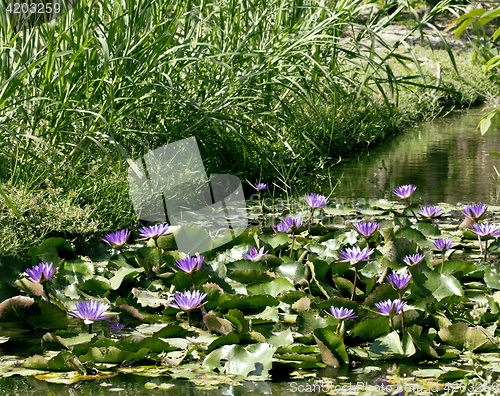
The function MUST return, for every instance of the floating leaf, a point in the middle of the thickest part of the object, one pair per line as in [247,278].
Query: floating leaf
[331,347]
[390,346]
[460,335]
[370,328]
[307,322]
[122,275]
[249,276]
[272,288]
[25,312]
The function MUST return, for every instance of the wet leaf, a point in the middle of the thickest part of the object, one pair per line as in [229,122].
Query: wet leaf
[251,303]
[370,328]
[272,288]
[25,312]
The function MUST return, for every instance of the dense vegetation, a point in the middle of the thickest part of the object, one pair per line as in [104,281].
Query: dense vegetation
[264,86]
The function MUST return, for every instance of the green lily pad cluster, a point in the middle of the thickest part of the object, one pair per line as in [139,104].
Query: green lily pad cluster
[273,301]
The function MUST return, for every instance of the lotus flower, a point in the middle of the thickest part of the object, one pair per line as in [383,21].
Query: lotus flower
[260,186]
[190,264]
[342,313]
[430,211]
[399,281]
[367,229]
[355,255]
[253,253]
[281,227]
[486,229]
[117,239]
[443,244]
[42,272]
[290,221]
[413,259]
[405,192]
[475,212]
[390,308]
[90,311]
[315,200]
[153,231]
[188,300]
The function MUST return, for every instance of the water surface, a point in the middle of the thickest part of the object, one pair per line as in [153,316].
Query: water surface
[447,159]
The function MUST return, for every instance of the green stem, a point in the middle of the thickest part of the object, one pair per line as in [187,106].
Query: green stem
[392,323]
[408,203]
[90,328]
[355,278]
[442,265]
[480,245]
[402,313]
[46,290]
[293,241]
[310,216]
[189,319]
[485,249]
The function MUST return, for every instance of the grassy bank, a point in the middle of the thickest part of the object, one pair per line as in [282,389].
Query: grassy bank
[263,86]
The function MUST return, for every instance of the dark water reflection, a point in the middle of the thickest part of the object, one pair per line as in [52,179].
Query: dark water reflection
[447,159]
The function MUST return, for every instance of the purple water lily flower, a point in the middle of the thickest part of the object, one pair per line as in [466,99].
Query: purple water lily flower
[443,244]
[90,311]
[405,191]
[367,229]
[485,229]
[290,221]
[430,211]
[475,212]
[153,231]
[413,259]
[117,239]
[42,272]
[342,313]
[281,227]
[355,255]
[315,200]
[399,281]
[188,300]
[253,253]
[260,186]
[390,308]
[190,264]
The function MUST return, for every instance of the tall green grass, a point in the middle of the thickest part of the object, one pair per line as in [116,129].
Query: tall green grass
[124,76]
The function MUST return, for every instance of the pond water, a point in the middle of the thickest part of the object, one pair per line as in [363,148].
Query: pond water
[448,159]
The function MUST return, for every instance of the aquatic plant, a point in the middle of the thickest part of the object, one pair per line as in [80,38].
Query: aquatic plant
[405,192]
[390,309]
[90,312]
[342,314]
[253,253]
[153,231]
[353,256]
[443,244]
[41,273]
[430,212]
[413,259]
[117,239]
[367,229]
[475,212]
[188,301]
[190,264]
[281,227]
[314,201]
[485,230]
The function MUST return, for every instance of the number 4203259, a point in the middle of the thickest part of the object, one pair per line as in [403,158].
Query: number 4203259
[33,8]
